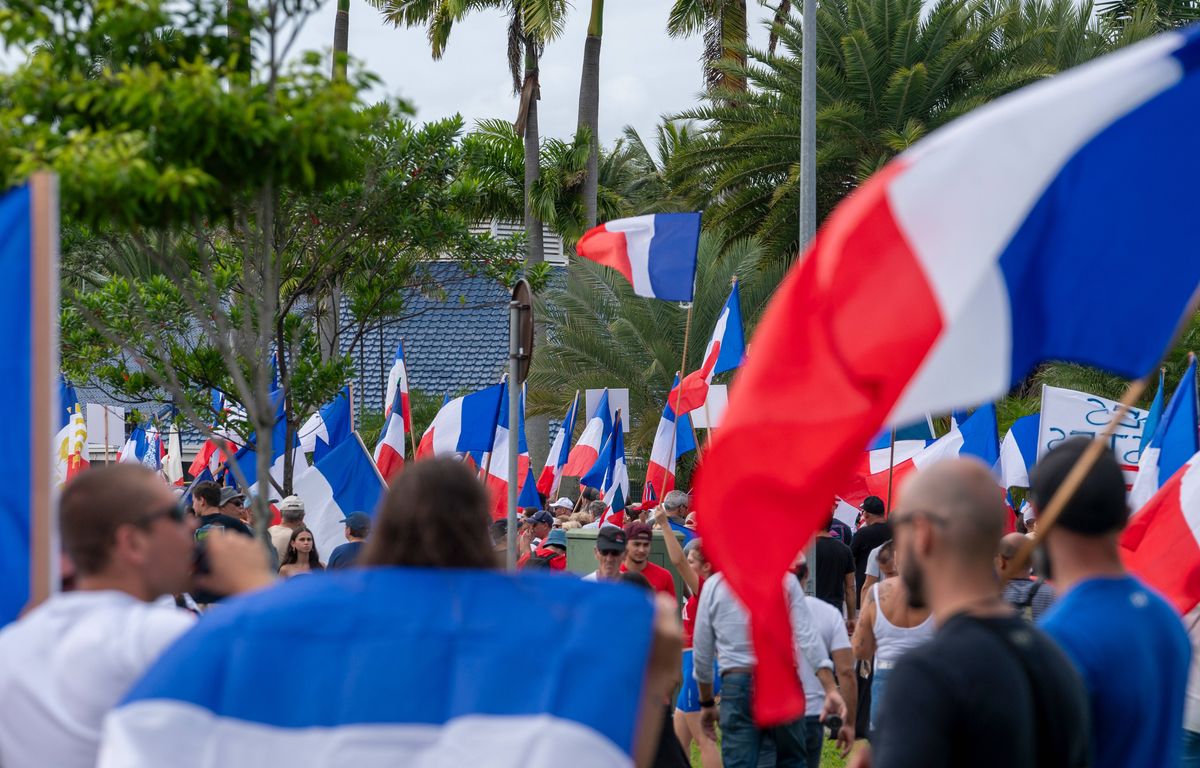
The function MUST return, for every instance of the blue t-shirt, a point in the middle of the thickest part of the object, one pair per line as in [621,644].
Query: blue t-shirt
[345,555]
[688,533]
[1133,655]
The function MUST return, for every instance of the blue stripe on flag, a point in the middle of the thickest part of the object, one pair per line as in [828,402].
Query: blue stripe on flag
[351,473]
[672,262]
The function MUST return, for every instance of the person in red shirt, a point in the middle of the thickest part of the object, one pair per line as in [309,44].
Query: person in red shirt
[637,559]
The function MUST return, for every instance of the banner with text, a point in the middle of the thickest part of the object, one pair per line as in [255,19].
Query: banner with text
[1067,413]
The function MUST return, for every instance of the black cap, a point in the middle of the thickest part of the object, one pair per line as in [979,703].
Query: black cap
[610,539]
[873,505]
[1098,506]
[541,516]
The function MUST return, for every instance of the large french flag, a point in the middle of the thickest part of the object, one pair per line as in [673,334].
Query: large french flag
[344,480]
[610,474]
[552,473]
[427,680]
[725,351]
[1176,439]
[907,301]
[881,456]
[597,431]
[673,439]
[328,427]
[1161,545]
[464,424]
[656,253]
[397,381]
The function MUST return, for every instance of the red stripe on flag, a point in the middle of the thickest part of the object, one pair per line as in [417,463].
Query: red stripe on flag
[845,332]
[606,248]
[1162,549]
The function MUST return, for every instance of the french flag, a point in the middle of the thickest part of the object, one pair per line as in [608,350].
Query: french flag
[342,481]
[397,381]
[880,456]
[552,473]
[1018,452]
[1176,439]
[144,447]
[1161,545]
[906,301]
[247,462]
[656,253]
[210,702]
[1154,415]
[328,427]
[389,452]
[610,475]
[673,439]
[497,475]
[597,431]
[725,352]
[464,424]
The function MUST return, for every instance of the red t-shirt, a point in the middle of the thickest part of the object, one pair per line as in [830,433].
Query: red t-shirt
[660,578]
[689,616]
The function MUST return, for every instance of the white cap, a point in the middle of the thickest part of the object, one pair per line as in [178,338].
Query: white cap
[564,503]
[292,504]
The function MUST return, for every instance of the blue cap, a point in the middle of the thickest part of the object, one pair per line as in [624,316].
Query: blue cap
[556,538]
[541,516]
[359,522]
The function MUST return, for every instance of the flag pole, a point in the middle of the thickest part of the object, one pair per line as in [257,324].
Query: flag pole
[891,470]
[687,331]
[1049,515]
[412,434]
[44,367]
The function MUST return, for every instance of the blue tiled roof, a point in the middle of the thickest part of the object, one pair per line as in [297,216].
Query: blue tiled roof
[453,342]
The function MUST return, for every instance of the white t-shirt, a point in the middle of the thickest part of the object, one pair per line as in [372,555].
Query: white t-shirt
[831,628]
[66,664]
[873,562]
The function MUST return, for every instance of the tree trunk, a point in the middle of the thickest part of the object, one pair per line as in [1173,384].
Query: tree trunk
[589,109]
[781,16]
[733,41]
[536,427]
[341,39]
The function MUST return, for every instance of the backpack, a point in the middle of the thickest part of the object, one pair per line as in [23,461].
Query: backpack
[547,558]
[1025,605]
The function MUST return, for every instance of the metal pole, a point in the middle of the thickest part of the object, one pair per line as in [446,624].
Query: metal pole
[808,172]
[514,434]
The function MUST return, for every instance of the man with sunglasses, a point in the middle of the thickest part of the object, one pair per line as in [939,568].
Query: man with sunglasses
[65,664]
[989,690]
[610,553]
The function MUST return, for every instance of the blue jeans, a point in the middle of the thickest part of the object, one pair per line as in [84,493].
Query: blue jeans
[877,686]
[1191,750]
[814,739]
[741,740]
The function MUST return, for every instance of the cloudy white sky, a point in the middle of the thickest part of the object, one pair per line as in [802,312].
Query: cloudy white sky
[643,72]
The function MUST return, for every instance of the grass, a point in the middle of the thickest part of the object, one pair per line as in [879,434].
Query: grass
[829,756]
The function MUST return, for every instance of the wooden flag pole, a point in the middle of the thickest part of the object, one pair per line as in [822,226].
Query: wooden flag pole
[891,470]
[44,365]
[1048,516]
[687,331]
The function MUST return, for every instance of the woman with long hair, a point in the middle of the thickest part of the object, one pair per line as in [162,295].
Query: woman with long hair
[301,556]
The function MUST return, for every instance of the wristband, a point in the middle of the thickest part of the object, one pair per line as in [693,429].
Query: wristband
[705,704]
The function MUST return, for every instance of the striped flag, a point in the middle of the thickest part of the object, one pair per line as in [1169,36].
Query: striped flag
[656,253]
[552,473]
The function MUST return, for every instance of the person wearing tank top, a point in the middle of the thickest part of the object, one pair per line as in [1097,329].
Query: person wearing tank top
[888,628]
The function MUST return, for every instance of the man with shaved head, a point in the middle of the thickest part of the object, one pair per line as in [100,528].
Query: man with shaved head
[988,690]
[1031,597]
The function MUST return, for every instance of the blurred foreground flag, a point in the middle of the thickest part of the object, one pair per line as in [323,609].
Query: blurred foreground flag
[941,283]
[1161,545]
[29,389]
[405,667]
[656,253]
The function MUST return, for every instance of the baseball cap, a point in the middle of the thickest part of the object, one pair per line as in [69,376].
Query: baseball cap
[292,503]
[231,494]
[610,539]
[873,505]
[639,531]
[541,516]
[357,521]
[563,503]
[556,538]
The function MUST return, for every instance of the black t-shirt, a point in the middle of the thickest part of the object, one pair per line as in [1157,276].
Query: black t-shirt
[967,697]
[834,561]
[867,538]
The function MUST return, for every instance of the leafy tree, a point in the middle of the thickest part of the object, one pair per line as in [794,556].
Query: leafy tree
[723,23]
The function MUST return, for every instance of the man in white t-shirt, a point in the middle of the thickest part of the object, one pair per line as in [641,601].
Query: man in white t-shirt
[69,661]
[832,631]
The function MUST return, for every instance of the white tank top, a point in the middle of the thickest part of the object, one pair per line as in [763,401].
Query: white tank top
[891,641]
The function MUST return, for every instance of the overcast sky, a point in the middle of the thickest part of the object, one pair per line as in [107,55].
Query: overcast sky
[643,72]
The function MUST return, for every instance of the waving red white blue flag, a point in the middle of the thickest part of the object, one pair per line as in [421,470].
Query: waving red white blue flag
[725,351]
[1175,440]
[1162,542]
[464,424]
[655,253]
[907,301]
[552,473]
[595,435]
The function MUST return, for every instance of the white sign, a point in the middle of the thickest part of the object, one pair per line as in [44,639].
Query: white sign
[105,424]
[1067,413]
[709,415]
[617,398]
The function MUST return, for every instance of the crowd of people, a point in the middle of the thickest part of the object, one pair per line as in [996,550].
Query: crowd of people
[925,641]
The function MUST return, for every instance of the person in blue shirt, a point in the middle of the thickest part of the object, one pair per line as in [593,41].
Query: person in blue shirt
[1128,644]
[677,503]
[358,527]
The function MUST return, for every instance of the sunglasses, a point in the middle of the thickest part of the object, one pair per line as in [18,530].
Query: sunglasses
[610,554]
[177,512]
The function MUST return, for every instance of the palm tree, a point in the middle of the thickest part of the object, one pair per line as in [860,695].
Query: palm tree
[656,185]
[341,39]
[888,74]
[602,335]
[723,23]
[589,108]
